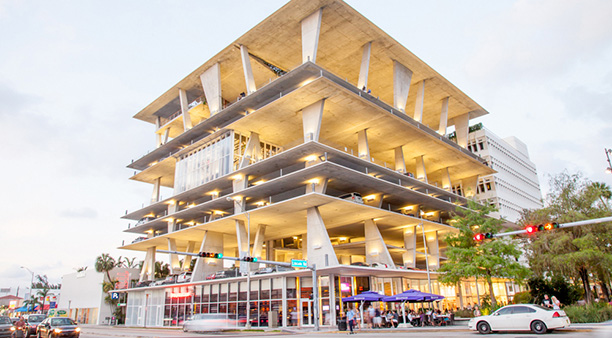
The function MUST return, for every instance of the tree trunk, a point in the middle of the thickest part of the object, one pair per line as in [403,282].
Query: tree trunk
[491,294]
[604,285]
[584,276]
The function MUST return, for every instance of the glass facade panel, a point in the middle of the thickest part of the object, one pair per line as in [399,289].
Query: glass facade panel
[204,164]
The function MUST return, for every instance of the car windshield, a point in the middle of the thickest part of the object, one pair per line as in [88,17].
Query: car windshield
[5,320]
[36,318]
[542,308]
[62,321]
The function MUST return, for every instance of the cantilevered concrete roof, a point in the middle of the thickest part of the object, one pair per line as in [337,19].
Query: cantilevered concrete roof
[344,31]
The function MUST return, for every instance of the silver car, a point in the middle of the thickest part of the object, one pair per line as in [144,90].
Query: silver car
[209,322]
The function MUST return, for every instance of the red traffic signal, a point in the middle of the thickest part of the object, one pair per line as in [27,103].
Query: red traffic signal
[531,229]
[479,237]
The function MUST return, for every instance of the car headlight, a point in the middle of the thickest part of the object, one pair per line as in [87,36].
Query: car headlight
[78,329]
[12,328]
[57,330]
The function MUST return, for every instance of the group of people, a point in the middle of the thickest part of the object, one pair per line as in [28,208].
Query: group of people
[374,318]
[552,303]
[429,317]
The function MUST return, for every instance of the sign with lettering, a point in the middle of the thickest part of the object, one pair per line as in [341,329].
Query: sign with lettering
[299,263]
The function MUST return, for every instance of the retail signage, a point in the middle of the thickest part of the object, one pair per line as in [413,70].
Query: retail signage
[299,263]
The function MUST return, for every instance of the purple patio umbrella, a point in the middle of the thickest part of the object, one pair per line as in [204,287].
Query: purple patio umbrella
[368,296]
[412,296]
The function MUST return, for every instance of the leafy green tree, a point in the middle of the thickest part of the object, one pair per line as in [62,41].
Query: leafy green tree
[105,263]
[577,252]
[488,259]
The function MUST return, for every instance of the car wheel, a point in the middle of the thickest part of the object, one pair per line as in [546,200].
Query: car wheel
[537,326]
[484,328]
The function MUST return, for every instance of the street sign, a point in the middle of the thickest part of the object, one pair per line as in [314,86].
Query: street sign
[114,295]
[299,263]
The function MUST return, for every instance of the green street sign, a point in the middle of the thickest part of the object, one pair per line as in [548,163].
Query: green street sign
[299,263]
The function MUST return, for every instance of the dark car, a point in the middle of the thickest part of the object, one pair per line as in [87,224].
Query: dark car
[143,283]
[32,322]
[5,326]
[55,327]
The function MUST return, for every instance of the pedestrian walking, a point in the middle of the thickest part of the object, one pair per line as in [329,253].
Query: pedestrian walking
[350,318]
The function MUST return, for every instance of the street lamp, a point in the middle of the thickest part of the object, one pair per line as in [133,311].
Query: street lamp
[31,280]
[247,325]
[609,168]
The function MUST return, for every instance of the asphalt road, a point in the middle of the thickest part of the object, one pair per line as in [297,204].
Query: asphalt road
[604,331]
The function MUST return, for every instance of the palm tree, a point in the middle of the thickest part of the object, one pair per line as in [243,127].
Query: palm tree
[43,292]
[105,263]
[604,191]
[130,263]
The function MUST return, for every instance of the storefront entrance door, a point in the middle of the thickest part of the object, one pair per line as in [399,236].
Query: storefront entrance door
[307,317]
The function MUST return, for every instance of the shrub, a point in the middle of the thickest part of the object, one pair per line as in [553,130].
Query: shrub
[591,313]
[523,297]
[464,313]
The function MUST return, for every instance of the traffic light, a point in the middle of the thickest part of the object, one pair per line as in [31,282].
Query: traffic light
[551,226]
[210,254]
[480,237]
[531,229]
[249,259]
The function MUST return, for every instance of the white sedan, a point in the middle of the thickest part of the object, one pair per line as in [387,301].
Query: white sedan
[521,317]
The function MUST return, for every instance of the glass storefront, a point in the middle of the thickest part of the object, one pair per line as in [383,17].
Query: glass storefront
[289,299]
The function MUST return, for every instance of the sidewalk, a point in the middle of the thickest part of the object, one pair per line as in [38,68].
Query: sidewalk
[140,332]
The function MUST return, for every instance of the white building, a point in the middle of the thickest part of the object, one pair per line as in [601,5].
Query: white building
[83,297]
[515,186]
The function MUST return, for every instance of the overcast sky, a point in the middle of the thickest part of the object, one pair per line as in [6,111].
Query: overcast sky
[73,73]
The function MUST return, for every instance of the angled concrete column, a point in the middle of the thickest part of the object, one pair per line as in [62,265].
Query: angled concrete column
[420,98]
[258,244]
[155,194]
[400,163]
[166,136]
[318,186]
[185,110]
[462,129]
[211,242]
[311,27]
[433,249]
[401,85]
[252,150]
[409,257]
[242,239]
[443,117]
[148,267]
[174,260]
[421,172]
[446,181]
[363,146]
[248,71]
[311,120]
[365,66]
[240,184]
[158,137]
[469,185]
[375,247]
[319,247]
[211,83]
[187,259]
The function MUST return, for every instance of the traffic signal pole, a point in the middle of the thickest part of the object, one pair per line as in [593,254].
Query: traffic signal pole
[313,268]
[561,226]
